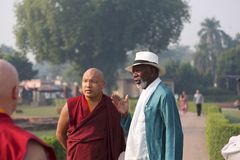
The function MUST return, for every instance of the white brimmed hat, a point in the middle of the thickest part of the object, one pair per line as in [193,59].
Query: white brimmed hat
[148,58]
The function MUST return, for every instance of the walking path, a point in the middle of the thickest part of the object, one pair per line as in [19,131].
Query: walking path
[195,147]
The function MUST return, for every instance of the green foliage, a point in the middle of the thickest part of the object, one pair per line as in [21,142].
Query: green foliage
[87,33]
[20,61]
[212,35]
[43,133]
[218,132]
[37,111]
[212,94]
[6,50]
[228,64]
[22,64]
[217,91]
[59,102]
[53,142]
[213,41]
[185,76]
[232,114]
[202,61]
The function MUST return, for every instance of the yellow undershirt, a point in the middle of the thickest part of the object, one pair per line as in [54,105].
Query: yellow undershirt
[90,107]
[2,110]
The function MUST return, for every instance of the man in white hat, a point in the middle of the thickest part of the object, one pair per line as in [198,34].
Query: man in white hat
[155,131]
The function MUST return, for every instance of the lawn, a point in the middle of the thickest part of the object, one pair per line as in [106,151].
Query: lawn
[36,111]
[51,111]
[42,134]
[233,114]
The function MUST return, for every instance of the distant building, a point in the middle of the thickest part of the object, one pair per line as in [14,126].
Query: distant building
[42,91]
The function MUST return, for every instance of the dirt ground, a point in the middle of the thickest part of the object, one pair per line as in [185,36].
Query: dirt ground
[195,147]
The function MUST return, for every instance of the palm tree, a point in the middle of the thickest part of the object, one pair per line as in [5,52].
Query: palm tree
[201,60]
[214,41]
[216,38]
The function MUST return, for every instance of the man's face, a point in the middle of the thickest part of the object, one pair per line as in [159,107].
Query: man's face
[142,75]
[92,85]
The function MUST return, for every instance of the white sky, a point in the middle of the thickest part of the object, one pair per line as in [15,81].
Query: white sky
[7,21]
[226,11]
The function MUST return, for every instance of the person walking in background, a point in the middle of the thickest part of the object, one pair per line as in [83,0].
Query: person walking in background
[89,124]
[15,142]
[155,132]
[198,100]
[183,102]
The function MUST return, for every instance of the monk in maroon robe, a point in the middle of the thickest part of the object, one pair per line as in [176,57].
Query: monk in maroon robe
[89,125]
[16,143]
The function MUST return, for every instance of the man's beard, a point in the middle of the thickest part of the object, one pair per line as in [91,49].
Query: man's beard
[142,85]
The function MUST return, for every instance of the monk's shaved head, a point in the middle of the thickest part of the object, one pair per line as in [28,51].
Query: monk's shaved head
[93,84]
[96,72]
[8,83]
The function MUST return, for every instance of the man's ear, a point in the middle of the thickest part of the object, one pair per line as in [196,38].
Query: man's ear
[15,92]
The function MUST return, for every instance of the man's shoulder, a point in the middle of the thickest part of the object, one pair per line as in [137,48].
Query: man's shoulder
[74,99]
[163,89]
[12,131]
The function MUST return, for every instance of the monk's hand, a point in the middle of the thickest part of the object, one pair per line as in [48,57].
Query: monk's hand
[121,104]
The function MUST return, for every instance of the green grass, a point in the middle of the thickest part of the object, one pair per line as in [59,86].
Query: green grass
[37,111]
[205,106]
[51,111]
[42,134]
[232,114]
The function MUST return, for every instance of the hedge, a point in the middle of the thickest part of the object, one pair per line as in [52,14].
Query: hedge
[53,142]
[218,132]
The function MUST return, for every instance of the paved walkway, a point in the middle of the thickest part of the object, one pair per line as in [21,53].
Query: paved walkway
[195,147]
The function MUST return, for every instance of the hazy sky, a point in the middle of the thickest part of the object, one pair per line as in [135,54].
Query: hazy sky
[226,11]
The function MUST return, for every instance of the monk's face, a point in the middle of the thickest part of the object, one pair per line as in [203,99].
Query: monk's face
[92,84]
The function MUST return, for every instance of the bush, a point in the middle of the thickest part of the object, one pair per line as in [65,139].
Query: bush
[53,142]
[218,132]
[59,102]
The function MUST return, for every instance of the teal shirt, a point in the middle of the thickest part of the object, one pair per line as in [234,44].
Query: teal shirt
[163,126]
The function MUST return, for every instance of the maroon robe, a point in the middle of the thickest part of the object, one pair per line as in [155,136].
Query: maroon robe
[14,140]
[95,135]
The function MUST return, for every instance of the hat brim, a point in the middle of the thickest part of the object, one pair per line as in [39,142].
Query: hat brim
[160,68]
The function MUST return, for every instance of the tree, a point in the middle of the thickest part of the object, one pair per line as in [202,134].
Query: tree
[177,52]
[228,65]
[213,41]
[216,38]
[236,40]
[202,61]
[6,50]
[22,64]
[185,76]
[19,60]
[97,33]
